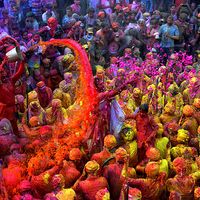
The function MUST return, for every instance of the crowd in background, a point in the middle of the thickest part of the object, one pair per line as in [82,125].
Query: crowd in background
[145,59]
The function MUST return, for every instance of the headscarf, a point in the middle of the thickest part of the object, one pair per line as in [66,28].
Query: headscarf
[5,127]
[92,167]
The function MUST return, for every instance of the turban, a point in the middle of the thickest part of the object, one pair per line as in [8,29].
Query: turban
[193,80]
[34,121]
[153,154]
[52,20]
[179,163]
[68,58]
[169,108]
[102,194]
[56,103]
[152,169]
[110,141]
[118,7]
[91,166]
[24,186]
[136,92]
[67,75]
[121,154]
[32,96]
[99,68]
[115,25]
[152,86]
[188,111]
[75,154]
[197,193]
[175,152]
[57,94]
[40,84]
[134,193]
[160,129]
[197,103]
[101,14]
[183,135]
[58,180]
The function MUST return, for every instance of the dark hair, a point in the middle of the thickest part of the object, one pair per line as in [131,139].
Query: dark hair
[104,25]
[90,10]
[144,108]
[69,8]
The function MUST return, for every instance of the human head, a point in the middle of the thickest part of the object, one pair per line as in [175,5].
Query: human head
[179,165]
[169,108]
[105,27]
[100,72]
[170,21]
[41,86]
[92,167]
[173,9]
[68,77]
[188,110]
[52,23]
[75,154]
[34,121]
[102,194]
[58,181]
[24,186]
[36,37]
[91,12]
[45,132]
[182,136]
[152,169]
[153,154]
[144,108]
[121,155]
[134,194]
[69,11]
[197,193]
[127,133]
[110,141]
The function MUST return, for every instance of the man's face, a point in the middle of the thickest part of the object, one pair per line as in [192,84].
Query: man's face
[36,38]
[169,21]
[68,78]
[100,74]
[173,9]
[105,29]
[91,14]
[69,12]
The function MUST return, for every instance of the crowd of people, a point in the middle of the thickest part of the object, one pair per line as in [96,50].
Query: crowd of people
[113,114]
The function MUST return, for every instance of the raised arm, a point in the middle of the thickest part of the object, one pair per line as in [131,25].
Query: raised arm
[19,72]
